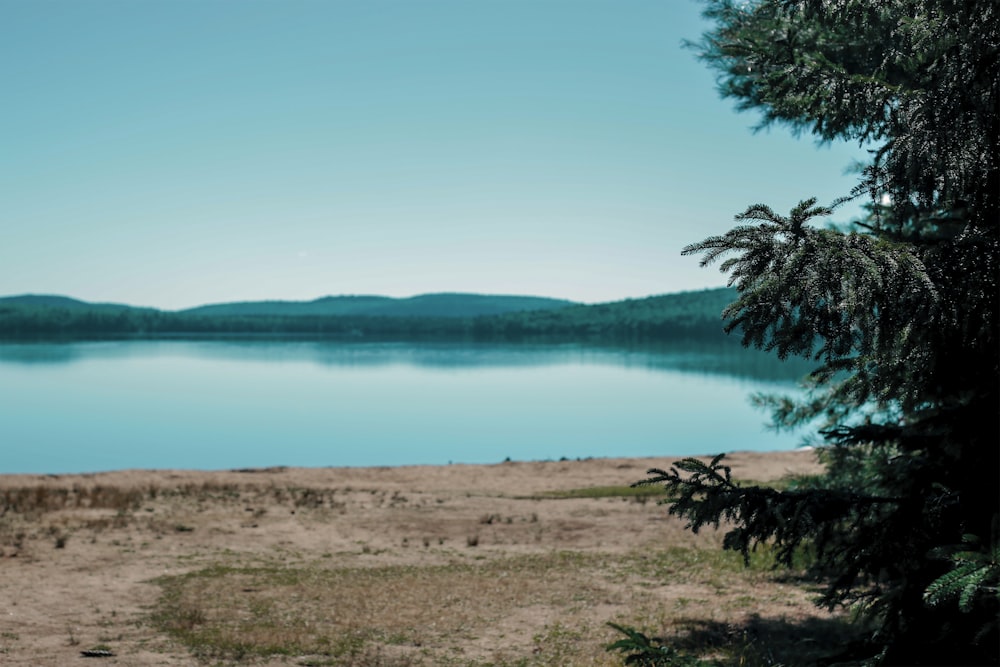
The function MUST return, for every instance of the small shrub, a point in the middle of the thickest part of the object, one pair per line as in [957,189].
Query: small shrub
[644,651]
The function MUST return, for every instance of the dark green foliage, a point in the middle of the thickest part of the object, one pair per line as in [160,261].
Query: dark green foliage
[643,651]
[708,495]
[685,315]
[976,573]
[899,313]
[915,78]
[43,322]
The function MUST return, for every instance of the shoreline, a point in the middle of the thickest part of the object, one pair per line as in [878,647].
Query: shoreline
[318,474]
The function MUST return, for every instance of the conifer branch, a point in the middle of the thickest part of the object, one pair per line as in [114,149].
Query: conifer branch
[707,495]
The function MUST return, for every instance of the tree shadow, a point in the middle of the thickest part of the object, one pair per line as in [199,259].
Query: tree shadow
[762,642]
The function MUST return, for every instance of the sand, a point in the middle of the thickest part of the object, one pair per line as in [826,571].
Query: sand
[78,579]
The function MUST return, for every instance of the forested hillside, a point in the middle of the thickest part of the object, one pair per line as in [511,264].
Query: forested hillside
[672,316]
[424,305]
[57,302]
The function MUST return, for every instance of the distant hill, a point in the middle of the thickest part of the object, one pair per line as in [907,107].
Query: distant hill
[56,301]
[425,305]
[684,315]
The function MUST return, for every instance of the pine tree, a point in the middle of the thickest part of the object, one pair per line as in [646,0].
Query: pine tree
[899,312]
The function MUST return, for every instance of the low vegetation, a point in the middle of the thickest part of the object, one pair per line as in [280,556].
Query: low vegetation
[324,615]
[625,492]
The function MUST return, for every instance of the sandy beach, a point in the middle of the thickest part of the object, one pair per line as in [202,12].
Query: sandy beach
[512,563]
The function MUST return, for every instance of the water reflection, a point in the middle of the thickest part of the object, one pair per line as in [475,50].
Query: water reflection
[710,358]
[76,407]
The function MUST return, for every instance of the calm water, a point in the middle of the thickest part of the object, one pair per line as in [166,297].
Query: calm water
[78,407]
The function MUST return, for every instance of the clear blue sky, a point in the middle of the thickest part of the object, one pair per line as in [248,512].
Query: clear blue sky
[171,153]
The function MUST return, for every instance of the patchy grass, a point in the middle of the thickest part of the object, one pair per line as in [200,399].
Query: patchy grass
[783,484]
[300,571]
[39,499]
[605,492]
[431,614]
[653,491]
[33,500]
[426,612]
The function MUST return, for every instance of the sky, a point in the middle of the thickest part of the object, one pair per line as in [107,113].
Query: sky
[173,153]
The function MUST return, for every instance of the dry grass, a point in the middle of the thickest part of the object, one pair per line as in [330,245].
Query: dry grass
[437,614]
[427,613]
[638,493]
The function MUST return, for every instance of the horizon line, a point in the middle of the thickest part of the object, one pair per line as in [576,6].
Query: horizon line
[344,295]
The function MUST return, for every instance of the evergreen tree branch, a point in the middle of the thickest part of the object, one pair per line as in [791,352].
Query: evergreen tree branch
[705,494]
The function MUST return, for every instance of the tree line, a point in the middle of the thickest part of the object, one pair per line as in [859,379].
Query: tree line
[689,315]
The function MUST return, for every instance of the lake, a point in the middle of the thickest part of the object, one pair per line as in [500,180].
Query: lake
[91,406]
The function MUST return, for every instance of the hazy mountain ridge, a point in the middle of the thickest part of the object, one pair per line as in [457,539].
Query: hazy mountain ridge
[423,305]
[59,301]
[682,315]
